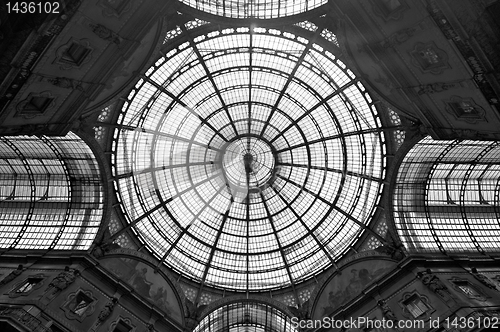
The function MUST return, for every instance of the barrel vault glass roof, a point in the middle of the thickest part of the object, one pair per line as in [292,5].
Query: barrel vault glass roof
[246,317]
[248,158]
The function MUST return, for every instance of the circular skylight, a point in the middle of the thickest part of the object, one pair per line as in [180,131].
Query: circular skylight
[262,9]
[249,160]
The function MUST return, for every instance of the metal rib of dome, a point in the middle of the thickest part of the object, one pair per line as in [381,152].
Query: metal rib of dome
[249,159]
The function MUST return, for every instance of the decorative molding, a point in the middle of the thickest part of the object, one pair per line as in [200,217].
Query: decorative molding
[193,314]
[437,87]
[12,275]
[106,34]
[107,310]
[63,279]
[429,58]
[484,279]
[406,296]
[349,260]
[401,36]
[34,49]
[479,294]
[147,259]
[71,302]
[468,134]
[58,284]
[104,314]
[114,7]
[13,293]
[465,109]
[435,284]
[466,46]
[389,9]
[387,311]
[63,82]
[61,50]
[323,281]
[126,320]
[30,322]
[27,109]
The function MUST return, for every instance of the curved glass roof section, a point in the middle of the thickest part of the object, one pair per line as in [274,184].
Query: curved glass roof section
[249,159]
[51,195]
[446,197]
[262,9]
[246,317]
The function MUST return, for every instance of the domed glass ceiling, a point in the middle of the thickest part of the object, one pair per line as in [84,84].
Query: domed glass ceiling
[255,8]
[248,159]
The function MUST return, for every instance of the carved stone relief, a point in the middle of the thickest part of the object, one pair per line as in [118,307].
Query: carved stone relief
[387,311]
[104,33]
[437,87]
[401,36]
[12,275]
[491,284]
[435,284]
[465,109]
[74,54]
[35,104]
[429,58]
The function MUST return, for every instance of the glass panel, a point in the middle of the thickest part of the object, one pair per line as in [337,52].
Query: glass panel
[51,193]
[446,196]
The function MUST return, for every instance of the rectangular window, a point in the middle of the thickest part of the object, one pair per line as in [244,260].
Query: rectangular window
[416,306]
[81,304]
[28,285]
[467,289]
[122,327]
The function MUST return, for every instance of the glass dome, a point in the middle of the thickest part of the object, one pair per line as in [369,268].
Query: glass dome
[262,9]
[249,159]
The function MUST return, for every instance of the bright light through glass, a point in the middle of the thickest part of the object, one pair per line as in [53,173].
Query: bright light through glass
[270,173]
[254,8]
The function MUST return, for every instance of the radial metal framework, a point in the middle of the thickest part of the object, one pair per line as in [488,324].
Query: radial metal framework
[447,197]
[51,193]
[249,158]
